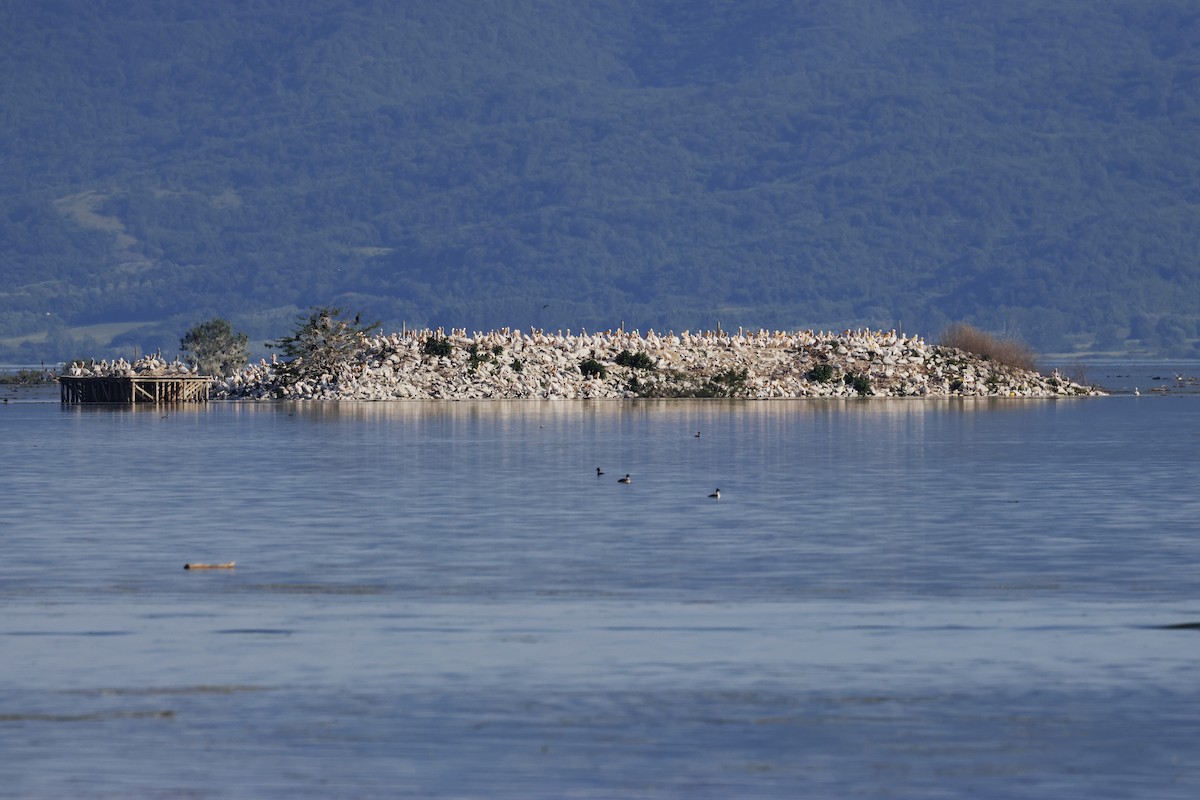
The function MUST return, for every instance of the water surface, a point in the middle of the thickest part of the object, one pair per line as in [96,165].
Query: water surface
[958,598]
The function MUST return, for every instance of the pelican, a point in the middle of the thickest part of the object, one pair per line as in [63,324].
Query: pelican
[626,479]
[716,495]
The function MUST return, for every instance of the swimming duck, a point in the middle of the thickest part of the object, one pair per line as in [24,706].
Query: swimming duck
[716,495]
[598,472]
[626,479]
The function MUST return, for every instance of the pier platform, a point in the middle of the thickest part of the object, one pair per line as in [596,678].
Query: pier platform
[157,389]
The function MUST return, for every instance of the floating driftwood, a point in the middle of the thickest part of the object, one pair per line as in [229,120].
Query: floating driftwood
[227,565]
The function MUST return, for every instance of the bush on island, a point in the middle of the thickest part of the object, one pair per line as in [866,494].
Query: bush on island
[1009,352]
[634,360]
[33,377]
[590,367]
[860,383]
[437,346]
[730,383]
[476,357]
[821,373]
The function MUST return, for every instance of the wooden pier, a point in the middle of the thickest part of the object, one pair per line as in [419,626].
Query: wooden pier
[157,389]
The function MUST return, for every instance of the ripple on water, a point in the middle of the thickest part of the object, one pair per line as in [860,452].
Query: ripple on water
[316,588]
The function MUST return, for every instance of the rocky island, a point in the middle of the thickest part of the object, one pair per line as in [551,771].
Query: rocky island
[457,365]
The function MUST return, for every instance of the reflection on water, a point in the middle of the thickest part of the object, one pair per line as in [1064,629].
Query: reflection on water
[890,598]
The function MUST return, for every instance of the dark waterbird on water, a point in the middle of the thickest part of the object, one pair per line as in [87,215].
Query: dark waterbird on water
[626,479]
[598,472]
[716,495]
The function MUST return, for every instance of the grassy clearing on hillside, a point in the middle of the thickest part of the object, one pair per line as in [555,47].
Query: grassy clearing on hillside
[103,333]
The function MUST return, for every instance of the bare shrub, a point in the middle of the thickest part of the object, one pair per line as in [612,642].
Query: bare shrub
[1010,352]
[1077,372]
[321,343]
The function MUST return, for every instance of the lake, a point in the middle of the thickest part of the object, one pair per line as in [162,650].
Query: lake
[891,598]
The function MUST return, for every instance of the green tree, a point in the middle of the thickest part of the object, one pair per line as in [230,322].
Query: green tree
[215,349]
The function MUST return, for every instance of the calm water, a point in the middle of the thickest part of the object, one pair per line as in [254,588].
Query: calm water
[890,599]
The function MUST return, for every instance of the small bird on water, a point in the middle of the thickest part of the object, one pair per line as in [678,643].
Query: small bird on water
[626,479]
[598,472]
[716,495]
[697,434]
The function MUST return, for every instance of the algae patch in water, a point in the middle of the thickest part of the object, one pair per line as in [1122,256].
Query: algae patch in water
[98,716]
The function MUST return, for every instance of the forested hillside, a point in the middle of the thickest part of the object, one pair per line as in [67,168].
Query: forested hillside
[1030,166]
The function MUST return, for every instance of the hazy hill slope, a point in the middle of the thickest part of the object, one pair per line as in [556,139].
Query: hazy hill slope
[1029,166]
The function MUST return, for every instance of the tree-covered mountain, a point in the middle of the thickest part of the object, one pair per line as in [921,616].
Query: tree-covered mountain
[1030,166]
